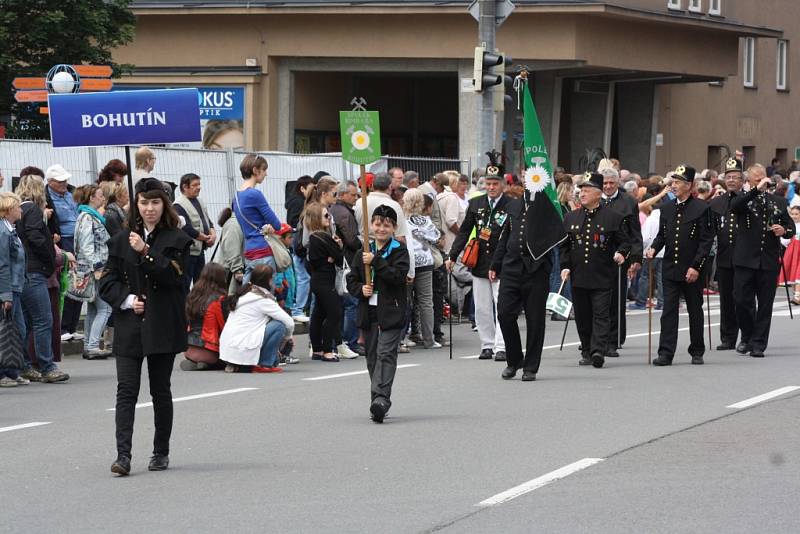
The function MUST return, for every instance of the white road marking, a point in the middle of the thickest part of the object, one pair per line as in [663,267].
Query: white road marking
[193,397]
[537,483]
[26,425]
[575,344]
[354,373]
[765,397]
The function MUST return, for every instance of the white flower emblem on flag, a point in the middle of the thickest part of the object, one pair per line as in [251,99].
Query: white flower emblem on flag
[360,139]
[536,178]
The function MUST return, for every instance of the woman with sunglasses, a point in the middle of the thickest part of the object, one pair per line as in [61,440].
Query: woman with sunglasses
[143,283]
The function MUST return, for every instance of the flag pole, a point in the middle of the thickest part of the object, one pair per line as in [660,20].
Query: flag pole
[650,311]
[365,220]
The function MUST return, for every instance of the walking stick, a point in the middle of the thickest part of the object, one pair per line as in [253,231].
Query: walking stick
[708,311]
[450,300]
[649,311]
[619,307]
[785,284]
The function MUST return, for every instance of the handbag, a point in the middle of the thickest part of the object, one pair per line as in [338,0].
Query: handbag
[471,253]
[81,286]
[341,278]
[283,260]
[11,350]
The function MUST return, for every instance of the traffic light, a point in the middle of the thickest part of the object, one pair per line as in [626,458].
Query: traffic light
[483,74]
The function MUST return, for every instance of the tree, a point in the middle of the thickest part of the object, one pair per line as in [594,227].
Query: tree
[38,34]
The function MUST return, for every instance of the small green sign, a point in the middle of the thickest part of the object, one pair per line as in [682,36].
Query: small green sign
[361,136]
[558,304]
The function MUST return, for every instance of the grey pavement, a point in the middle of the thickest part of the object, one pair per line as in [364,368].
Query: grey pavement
[297,455]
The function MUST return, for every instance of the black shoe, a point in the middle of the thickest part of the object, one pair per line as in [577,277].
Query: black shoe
[509,373]
[585,361]
[159,462]
[697,360]
[612,353]
[121,466]
[486,354]
[726,346]
[757,353]
[743,348]
[500,356]
[528,376]
[660,362]
[597,360]
[378,411]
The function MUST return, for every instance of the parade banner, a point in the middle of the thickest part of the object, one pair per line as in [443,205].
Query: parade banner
[124,118]
[361,136]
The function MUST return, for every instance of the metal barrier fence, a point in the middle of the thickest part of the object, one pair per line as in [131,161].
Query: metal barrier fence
[218,169]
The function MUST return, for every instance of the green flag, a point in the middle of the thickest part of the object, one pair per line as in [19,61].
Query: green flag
[538,170]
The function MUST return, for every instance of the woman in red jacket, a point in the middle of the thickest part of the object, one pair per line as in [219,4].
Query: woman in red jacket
[206,313]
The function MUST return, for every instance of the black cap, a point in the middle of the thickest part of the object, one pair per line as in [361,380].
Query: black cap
[494,171]
[685,173]
[151,184]
[592,179]
[734,165]
[386,212]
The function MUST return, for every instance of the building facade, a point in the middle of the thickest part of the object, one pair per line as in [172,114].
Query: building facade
[633,77]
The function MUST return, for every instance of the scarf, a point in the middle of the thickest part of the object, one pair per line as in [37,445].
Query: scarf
[85,208]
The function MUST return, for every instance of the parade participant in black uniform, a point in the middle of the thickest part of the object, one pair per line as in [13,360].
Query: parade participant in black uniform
[686,234]
[725,223]
[624,204]
[484,220]
[596,245]
[382,304]
[762,220]
[143,282]
[522,261]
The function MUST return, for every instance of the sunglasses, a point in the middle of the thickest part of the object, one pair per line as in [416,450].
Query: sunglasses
[327,215]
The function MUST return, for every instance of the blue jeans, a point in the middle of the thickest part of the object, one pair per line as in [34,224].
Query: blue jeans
[19,321]
[249,265]
[350,318]
[97,314]
[39,317]
[303,285]
[274,333]
[644,287]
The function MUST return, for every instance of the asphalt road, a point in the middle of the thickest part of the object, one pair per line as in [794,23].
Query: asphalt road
[626,448]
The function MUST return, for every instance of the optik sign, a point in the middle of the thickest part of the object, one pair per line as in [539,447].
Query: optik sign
[124,118]
[221,102]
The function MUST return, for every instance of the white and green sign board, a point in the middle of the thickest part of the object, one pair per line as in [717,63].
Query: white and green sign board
[361,136]
[558,304]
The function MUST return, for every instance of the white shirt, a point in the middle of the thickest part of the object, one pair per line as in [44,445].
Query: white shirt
[241,339]
[650,231]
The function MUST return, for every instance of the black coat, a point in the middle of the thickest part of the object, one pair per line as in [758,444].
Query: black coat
[757,247]
[346,228]
[389,281]
[530,226]
[294,207]
[593,237]
[725,224]
[626,205]
[478,217]
[158,277]
[40,253]
[686,234]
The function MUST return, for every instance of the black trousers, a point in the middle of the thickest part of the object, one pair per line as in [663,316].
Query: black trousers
[129,375]
[728,324]
[755,285]
[693,295]
[380,347]
[591,319]
[70,316]
[618,302]
[528,291]
[325,325]
[194,266]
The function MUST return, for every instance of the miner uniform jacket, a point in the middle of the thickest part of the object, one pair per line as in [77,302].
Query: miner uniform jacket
[487,224]
[686,234]
[156,276]
[757,247]
[725,223]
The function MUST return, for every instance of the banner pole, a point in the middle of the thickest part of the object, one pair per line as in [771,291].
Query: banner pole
[131,198]
[365,220]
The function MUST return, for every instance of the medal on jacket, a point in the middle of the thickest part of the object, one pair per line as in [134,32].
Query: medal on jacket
[485,234]
[500,218]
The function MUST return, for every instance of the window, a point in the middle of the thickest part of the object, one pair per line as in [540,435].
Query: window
[696,6]
[749,54]
[673,4]
[715,7]
[782,81]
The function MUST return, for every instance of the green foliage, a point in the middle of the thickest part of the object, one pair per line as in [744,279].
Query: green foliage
[35,35]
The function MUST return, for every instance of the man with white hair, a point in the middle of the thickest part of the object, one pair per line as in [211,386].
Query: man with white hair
[145,163]
[614,196]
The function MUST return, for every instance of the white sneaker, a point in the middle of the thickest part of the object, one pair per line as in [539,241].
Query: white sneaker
[300,318]
[6,382]
[22,381]
[66,337]
[409,343]
[435,346]
[77,337]
[344,352]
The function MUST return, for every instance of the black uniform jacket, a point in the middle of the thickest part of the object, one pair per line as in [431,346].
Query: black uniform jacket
[757,247]
[389,282]
[593,237]
[479,217]
[519,237]
[158,278]
[626,205]
[725,223]
[686,234]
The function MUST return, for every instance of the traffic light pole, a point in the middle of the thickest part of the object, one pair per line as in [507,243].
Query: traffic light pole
[487,27]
